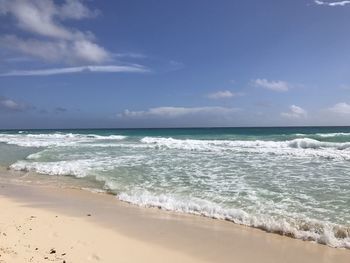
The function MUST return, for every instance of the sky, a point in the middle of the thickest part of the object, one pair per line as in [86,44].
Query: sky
[183,63]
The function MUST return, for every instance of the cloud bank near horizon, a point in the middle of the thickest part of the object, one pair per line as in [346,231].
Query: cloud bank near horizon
[175,112]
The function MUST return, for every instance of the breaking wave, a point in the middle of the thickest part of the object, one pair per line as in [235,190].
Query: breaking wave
[55,139]
[298,147]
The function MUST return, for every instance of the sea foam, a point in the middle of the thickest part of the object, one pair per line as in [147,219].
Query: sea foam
[312,230]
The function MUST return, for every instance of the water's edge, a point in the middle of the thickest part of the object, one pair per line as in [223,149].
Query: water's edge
[33,178]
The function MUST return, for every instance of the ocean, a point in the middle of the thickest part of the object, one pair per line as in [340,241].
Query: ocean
[293,181]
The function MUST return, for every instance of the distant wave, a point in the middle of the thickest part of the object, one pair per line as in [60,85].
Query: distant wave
[325,135]
[296,147]
[54,139]
[302,143]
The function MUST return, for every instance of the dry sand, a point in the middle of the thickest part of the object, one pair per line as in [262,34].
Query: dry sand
[51,224]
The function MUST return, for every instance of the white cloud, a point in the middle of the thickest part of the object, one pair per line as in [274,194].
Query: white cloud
[295,112]
[225,94]
[174,65]
[174,112]
[69,70]
[340,108]
[334,3]
[278,85]
[75,9]
[9,104]
[43,18]
[57,51]
[87,51]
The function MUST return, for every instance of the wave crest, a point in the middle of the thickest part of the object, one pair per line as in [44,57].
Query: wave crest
[298,147]
[54,139]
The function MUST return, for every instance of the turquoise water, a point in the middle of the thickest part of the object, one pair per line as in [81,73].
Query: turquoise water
[292,181]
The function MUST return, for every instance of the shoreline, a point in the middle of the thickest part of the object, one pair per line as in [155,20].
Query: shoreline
[96,187]
[187,238]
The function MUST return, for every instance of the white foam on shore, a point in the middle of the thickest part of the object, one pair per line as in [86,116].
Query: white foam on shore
[78,168]
[311,230]
[75,168]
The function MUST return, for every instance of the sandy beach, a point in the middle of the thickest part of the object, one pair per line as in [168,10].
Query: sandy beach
[52,224]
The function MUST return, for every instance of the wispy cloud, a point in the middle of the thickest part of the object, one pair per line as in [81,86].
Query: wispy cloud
[56,42]
[344,87]
[70,70]
[75,9]
[224,94]
[17,59]
[295,112]
[263,103]
[129,55]
[10,105]
[59,51]
[332,3]
[340,108]
[60,110]
[174,112]
[274,85]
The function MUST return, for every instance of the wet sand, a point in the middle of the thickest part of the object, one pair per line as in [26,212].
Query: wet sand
[53,224]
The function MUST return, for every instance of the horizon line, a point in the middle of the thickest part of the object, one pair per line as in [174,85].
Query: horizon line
[197,127]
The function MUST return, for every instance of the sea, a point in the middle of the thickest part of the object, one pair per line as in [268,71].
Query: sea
[294,181]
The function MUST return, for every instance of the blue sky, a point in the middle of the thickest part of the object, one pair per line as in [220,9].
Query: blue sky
[69,64]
